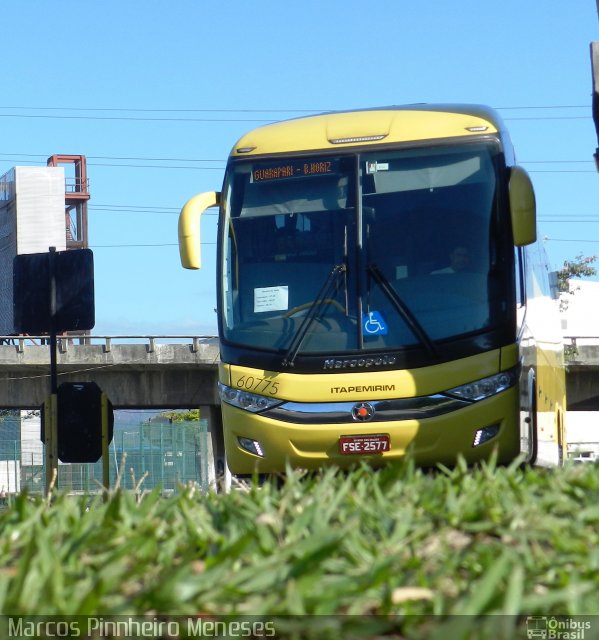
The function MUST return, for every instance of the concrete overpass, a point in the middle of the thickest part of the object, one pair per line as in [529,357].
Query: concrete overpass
[163,372]
[181,371]
[582,373]
[134,371]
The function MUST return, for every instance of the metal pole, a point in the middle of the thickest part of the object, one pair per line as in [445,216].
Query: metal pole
[105,459]
[141,452]
[51,427]
[17,451]
[53,341]
[50,441]
[162,461]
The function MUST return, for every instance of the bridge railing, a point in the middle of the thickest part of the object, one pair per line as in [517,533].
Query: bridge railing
[581,341]
[106,341]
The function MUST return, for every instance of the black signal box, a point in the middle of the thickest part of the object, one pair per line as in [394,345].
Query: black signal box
[72,273]
[79,422]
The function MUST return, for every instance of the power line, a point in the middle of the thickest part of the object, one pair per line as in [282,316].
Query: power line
[174,211]
[219,110]
[155,159]
[162,159]
[175,244]
[158,244]
[555,161]
[253,120]
[137,158]
[143,210]
[146,245]
[558,171]
[144,158]
[551,106]
[132,119]
[192,168]
[153,166]
[549,118]
[251,110]
[145,118]
[132,207]
[569,240]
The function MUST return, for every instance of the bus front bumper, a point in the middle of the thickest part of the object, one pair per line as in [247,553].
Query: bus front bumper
[255,443]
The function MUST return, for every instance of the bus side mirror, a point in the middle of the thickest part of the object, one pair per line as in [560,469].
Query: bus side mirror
[189,228]
[522,207]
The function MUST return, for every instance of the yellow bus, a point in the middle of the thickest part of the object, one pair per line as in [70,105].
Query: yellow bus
[380,290]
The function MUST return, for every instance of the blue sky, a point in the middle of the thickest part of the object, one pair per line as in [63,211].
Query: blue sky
[155,94]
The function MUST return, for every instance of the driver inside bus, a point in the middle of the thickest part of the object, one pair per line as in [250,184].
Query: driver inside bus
[459,260]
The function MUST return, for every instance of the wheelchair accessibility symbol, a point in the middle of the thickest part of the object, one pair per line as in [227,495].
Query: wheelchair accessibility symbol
[373,324]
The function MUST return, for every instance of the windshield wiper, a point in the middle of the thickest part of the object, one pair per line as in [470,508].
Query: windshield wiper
[410,319]
[312,314]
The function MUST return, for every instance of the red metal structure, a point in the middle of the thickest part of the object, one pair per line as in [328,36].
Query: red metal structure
[75,198]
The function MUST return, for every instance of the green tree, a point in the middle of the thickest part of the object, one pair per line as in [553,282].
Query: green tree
[180,416]
[580,267]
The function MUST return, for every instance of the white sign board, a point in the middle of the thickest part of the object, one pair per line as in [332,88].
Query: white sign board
[271,299]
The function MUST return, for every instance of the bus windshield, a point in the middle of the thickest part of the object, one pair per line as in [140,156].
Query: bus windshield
[412,235]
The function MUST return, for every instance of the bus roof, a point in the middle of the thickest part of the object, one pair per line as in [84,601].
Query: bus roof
[383,125]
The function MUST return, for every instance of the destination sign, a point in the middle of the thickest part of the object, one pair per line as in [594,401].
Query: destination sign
[295,169]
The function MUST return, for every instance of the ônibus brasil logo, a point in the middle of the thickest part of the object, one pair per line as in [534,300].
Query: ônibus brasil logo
[554,628]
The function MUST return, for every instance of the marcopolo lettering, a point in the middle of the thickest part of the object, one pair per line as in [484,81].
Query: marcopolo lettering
[359,363]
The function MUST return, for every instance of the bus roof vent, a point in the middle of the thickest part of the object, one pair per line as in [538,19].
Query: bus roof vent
[357,139]
[359,126]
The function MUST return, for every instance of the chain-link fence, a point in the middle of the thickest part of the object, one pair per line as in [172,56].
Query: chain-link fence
[144,457]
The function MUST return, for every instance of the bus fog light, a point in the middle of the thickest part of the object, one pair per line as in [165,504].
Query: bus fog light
[485,434]
[251,446]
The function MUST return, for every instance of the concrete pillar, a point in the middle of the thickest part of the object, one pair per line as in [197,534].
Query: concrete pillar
[216,443]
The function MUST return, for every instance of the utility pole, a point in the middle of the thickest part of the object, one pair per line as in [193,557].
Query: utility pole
[595,75]
[51,412]
[595,103]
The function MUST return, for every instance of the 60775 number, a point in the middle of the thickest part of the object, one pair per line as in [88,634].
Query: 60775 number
[260,385]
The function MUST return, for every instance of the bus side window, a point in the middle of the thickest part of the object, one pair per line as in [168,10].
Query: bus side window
[520,262]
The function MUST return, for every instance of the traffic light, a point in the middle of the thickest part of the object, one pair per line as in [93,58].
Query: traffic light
[79,429]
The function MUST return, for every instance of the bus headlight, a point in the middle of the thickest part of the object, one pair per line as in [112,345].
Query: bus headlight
[245,400]
[485,387]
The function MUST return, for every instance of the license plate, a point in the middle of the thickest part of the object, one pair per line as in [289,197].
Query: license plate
[352,445]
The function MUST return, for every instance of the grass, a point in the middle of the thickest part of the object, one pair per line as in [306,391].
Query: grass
[422,550]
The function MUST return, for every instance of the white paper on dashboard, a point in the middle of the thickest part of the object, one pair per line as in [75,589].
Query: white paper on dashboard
[271,299]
